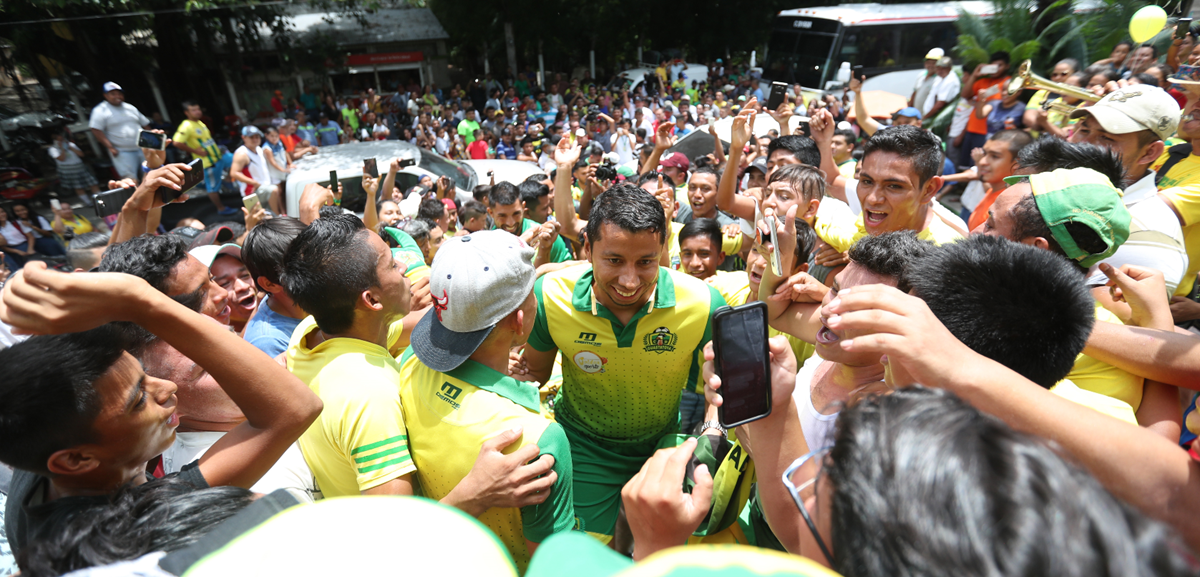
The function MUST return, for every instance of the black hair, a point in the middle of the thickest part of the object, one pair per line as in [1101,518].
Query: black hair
[481,192]
[1024,307]
[189,103]
[431,209]
[1128,43]
[149,257]
[164,514]
[80,249]
[916,145]
[890,254]
[1016,139]
[708,169]
[803,148]
[1000,55]
[532,191]
[417,229]
[503,194]
[922,483]
[471,209]
[629,207]
[708,227]
[652,176]
[48,398]
[328,211]
[1073,63]
[265,247]
[536,177]
[1145,78]
[1028,223]
[1153,49]
[1109,74]
[327,268]
[851,139]
[808,181]
[1049,153]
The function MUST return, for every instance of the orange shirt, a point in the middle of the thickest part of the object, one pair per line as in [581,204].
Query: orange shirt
[289,141]
[981,210]
[979,125]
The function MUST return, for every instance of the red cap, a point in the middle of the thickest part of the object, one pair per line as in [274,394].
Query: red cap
[675,160]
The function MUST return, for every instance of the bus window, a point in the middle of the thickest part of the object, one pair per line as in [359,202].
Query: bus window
[870,47]
[916,41]
[799,58]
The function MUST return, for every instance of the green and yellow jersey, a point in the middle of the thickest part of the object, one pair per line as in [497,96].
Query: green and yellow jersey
[409,253]
[843,229]
[735,289]
[731,245]
[623,382]
[195,134]
[359,441]
[1187,202]
[1102,378]
[450,415]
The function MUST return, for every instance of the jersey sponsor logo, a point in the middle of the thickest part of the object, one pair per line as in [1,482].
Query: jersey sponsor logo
[587,339]
[660,341]
[590,362]
[449,393]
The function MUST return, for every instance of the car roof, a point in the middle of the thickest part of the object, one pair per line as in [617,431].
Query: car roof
[346,156]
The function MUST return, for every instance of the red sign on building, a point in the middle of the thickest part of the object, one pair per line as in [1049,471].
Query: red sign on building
[380,58]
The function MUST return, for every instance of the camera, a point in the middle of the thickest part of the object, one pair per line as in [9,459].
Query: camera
[606,170]
[593,113]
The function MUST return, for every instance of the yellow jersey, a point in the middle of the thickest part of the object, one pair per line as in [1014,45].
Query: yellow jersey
[359,441]
[623,382]
[841,233]
[449,417]
[735,289]
[1187,201]
[194,134]
[1092,375]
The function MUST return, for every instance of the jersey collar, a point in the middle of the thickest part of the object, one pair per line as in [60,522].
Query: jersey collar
[490,379]
[584,298]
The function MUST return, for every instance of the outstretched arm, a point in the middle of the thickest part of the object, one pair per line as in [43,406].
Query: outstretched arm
[566,154]
[741,132]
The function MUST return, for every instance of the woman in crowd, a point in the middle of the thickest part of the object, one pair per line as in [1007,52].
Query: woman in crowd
[18,244]
[44,240]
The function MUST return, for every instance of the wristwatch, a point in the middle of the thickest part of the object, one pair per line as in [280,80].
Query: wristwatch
[714,425]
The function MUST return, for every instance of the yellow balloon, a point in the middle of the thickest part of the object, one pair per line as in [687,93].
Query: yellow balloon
[1147,23]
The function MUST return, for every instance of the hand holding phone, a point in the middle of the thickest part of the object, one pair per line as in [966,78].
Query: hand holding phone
[778,93]
[1182,26]
[742,360]
[370,167]
[152,140]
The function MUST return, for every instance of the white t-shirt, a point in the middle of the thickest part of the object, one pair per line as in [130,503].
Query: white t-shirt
[41,223]
[944,89]
[289,472]
[257,166]
[962,114]
[1155,237]
[818,428]
[623,146]
[66,155]
[12,233]
[119,123]
[973,195]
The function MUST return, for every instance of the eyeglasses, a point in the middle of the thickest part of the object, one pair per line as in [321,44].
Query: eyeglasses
[795,492]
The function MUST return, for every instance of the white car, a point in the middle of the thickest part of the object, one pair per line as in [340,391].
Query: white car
[691,71]
[347,161]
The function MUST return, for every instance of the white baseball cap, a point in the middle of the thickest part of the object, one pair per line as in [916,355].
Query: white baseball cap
[476,280]
[208,253]
[111,86]
[935,54]
[1134,109]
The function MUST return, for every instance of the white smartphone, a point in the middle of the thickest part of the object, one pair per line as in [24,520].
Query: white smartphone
[55,204]
[989,69]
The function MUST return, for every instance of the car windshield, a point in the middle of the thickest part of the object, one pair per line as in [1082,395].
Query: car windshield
[464,177]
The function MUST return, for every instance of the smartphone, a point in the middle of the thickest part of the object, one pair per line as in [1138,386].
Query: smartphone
[776,260]
[55,204]
[152,140]
[370,168]
[857,72]
[333,186]
[778,93]
[1181,27]
[251,202]
[110,202]
[989,69]
[742,360]
[190,179]
[407,162]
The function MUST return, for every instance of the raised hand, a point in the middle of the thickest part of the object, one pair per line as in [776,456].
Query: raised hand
[742,130]
[566,153]
[664,138]
[660,514]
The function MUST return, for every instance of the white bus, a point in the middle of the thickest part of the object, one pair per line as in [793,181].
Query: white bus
[808,45]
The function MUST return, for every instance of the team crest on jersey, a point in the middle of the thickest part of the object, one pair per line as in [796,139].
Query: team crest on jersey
[661,340]
[590,362]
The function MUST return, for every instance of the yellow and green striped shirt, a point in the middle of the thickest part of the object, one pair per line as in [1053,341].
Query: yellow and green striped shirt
[623,382]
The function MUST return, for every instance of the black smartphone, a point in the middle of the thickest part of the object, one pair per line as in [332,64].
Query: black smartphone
[110,202]
[370,168]
[743,363]
[407,162]
[857,72]
[152,140]
[778,92]
[190,179]
[1181,27]
[333,186]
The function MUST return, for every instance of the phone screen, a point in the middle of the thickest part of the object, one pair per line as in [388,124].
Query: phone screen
[778,91]
[370,168]
[1182,26]
[743,363]
[152,140]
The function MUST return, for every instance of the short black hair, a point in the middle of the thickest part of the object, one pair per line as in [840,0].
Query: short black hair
[48,399]
[890,254]
[480,192]
[149,257]
[1153,49]
[327,268]
[652,176]
[265,247]
[537,176]
[79,250]
[189,103]
[708,227]
[1000,55]
[1145,78]
[503,194]
[629,207]
[803,148]
[1017,140]
[417,229]
[916,145]
[851,139]
[1023,307]
[708,169]
[431,209]
[1048,153]
[471,209]
[532,191]
[1028,223]
[808,181]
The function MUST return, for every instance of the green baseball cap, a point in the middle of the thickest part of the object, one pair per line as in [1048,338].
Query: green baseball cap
[1082,196]
[587,557]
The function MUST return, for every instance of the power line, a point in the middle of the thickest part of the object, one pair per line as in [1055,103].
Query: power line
[142,13]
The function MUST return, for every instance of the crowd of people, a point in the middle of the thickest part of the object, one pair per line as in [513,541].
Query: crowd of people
[1006,389]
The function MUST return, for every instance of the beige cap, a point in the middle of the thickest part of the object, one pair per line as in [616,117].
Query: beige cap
[1134,109]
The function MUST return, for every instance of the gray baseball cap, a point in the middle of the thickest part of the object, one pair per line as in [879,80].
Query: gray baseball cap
[476,280]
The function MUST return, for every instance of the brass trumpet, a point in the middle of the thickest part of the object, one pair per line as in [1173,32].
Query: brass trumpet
[1027,79]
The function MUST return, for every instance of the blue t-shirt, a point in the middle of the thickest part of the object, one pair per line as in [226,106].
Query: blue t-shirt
[506,151]
[996,118]
[270,331]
